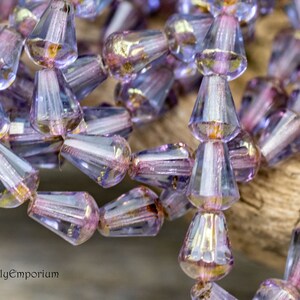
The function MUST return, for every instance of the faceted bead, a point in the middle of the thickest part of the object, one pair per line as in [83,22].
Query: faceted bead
[282,130]
[84,75]
[186,33]
[266,6]
[11,44]
[71,215]
[292,267]
[104,159]
[52,43]
[136,213]
[245,157]
[54,108]
[276,289]
[6,8]
[292,9]
[209,291]
[145,96]
[262,97]
[48,161]
[127,53]
[222,51]
[89,9]
[214,115]
[107,121]
[191,7]
[206,252]
[4,122]
[175,203]
[19,180]
[167,166]
[212,185]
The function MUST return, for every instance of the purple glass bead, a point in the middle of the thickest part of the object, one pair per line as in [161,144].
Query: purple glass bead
[262,97]
[272,289]
[4,122]
[52,43]
[127,53]
[222,51]
[10,50]
[209,291]
[294,100]
[206,252]
[212,185]
[292,267]
[185,33]
[167,166]
[107,121]
[104,159]
[90,9]
[214,115]
[19,180]
[245,157]
[145,96]
[6,8]
[71,215]
[136,213]
[266,6]
[175,203]
[84,75]
[46,161]
[191,7]
[54,108]
[292,9]
[148,6]
[282,130]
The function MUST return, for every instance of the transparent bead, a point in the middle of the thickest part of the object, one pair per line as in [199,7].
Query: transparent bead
[90,9]
[52,43]
[209,291]
[71,215]
[54,108]
[4,122]
[104,159]
[127,53]
[47,161]
[193,7]
[294,100]
[222,51]
[214,115]
[206,252]
[136,213]
[292,9]
[186,33]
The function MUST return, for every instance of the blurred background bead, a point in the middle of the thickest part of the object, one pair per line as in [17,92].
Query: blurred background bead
[136,213]
[294,100]
[6,8]
[149,6]
[52,43]
[292,9]
[266,6]
[206,252]
[193,7]
[104,159]
[129,52]
[209,291]
[71,215]
[84,75]
[90,9]
[54,108]
[4,122]
[166,166]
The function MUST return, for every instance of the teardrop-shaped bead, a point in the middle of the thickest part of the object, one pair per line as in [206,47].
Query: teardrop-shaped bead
[209,291]
[52,43]
[222,51]
[54,108]
[104,159]
[175,203]
[206,252]
[262,97]
[4,122]
[90,9]
[145,96]
[191,7]
[212,185]
[71,215]
[127,53]
[245,157]
[272,289]
[11,44]
[84,75]
[167,166]
[19,180]
[185,34]
[214,115]
[136,213]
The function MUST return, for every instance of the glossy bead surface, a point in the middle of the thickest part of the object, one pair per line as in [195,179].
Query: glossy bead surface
[206,253]
[136,213]
[71,215]
[4,122]
[191,7]
[89,9]
[209,291]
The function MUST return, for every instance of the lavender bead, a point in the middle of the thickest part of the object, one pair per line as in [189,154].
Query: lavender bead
[71,215]
[136,213]
[292,9]
[266,7]
[191,7]
[209,291]
[294,101]
[4,122]
[6,8]
[89,9]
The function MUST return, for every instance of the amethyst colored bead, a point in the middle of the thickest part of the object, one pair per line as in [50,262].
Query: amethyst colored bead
[6,8]
[46,161]
[127,53]
[136,213]
[167,166]
[84,75]
[148,6]
[209,291]
[266,6]
[71,215]
[89,9]
[294,100]
[206,252]
[191,7]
